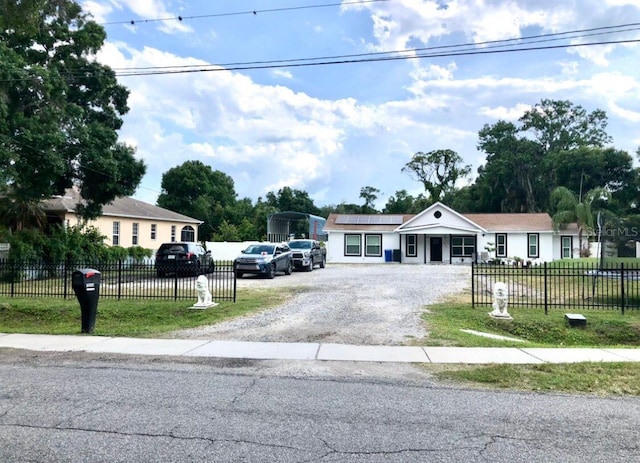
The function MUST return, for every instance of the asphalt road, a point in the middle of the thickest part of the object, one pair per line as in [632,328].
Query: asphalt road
[96,408]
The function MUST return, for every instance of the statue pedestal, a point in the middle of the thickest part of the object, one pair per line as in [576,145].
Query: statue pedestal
[203,306]
[500,315]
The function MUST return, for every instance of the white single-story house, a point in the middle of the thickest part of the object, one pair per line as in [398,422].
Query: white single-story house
[441,235]
[126,221]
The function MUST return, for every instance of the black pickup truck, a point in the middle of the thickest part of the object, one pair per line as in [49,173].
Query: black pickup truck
[307,254]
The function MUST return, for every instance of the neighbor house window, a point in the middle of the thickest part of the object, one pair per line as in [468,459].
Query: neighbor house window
[188,234]
[462,246]
[532,239]
[134,234]
[567,246]
[173,233]
[412,245]
[501,245]
[154,231]
[115,238]
[373,245]
[352,245]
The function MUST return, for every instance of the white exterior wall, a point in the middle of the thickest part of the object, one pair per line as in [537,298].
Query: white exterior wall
[336,247]
[549,246]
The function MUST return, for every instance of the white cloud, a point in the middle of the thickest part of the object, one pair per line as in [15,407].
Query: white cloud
[282,74]
[503,113]
[569,68]
[143,9]
[399,24]
[99,11]
[632,116]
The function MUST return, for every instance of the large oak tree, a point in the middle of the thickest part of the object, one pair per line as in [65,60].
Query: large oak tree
[60,109]
[555,144]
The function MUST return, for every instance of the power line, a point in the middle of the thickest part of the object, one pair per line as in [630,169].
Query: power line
[211,68]
[239,13]
[465,49]
[576,34]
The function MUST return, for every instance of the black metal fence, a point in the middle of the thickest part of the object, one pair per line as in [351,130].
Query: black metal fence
[562,284]
[122,279]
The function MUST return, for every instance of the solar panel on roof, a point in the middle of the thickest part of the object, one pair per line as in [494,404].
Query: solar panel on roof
[352,219]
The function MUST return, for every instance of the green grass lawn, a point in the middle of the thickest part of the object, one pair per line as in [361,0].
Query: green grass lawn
[131,318]
[604,329]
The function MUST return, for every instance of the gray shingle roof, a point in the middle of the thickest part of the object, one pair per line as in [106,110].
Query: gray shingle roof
[499,222]
[120,207]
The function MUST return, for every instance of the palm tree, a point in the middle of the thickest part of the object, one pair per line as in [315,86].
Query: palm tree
[18,213]
[568,208]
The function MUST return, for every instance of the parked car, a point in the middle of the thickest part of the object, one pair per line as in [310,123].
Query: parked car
[183,258]
[264,259]
[307,253]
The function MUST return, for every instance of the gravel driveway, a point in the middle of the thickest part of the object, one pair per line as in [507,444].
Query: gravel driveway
[346,304]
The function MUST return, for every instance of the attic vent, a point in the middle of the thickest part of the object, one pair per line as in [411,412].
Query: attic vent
[437,214]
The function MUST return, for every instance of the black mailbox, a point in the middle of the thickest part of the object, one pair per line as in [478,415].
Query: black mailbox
[86,285]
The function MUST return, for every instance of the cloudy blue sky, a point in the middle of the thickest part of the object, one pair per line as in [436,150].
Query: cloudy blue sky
[330,129]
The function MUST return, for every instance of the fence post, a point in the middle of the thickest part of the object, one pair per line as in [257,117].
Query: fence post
[13,275]
[473,286]
[622,295]
[175,281]
[119,278]
[546,299]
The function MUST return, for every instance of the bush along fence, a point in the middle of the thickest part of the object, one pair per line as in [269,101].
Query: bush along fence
[562,284]
[121,279]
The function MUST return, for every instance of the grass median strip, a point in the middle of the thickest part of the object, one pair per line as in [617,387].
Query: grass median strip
[584,378]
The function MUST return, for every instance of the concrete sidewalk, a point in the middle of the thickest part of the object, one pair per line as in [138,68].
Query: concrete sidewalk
[312,351]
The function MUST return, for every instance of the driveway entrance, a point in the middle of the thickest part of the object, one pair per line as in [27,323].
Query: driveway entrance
[358,304]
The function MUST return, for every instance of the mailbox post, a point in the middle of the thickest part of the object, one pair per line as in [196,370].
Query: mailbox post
[86,285]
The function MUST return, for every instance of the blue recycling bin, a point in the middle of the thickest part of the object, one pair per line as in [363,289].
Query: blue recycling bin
[388,255]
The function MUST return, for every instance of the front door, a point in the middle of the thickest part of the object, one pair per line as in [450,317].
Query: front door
[436,249]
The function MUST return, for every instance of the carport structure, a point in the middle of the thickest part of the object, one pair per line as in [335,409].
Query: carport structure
[282,225]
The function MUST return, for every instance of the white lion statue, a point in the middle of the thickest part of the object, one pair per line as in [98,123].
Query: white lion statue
[500,301]
[204,295]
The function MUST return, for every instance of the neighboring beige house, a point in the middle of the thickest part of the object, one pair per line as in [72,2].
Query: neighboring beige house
[126,221]
[441,235]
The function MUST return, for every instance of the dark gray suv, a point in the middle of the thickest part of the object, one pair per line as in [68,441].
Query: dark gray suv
[183,259]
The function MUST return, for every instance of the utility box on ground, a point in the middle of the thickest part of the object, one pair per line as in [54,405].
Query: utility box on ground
[86,285]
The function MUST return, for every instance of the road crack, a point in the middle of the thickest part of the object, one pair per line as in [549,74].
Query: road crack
[169,435]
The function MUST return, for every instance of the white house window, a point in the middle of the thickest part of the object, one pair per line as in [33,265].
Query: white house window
[188,234]
[373,245]
[412,245]
[567,246]
[501,245]
[134,233]
[115,238]
[154,231]
[173,233]
[462,246]
[532,239]
[352,245]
